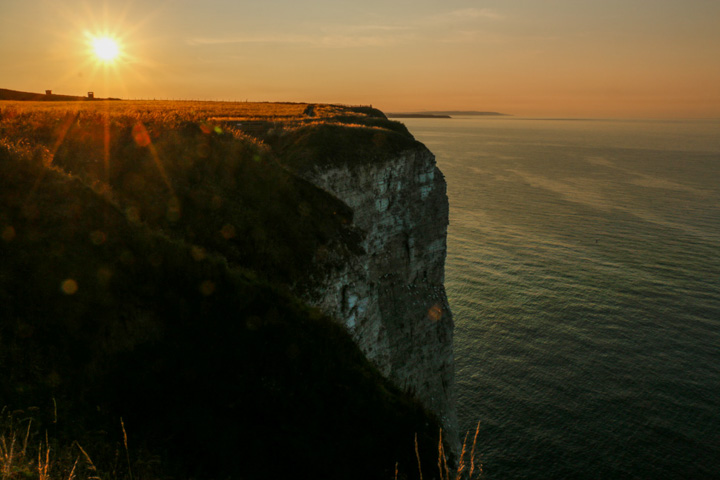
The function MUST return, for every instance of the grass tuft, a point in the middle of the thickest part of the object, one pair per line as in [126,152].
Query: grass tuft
[445,471]
[53,459]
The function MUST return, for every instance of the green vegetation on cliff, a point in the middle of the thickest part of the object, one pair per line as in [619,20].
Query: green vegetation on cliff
[151,258]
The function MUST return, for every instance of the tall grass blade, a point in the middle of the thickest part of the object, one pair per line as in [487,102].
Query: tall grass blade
[461,463]
[71,476]
[91,465]
[127,450]
[44,464]
[472,453]
[417,454]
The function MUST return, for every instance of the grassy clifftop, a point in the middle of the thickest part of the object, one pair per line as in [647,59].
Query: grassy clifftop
[150,257]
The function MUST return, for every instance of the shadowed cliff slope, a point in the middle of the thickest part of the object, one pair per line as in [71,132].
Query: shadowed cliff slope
[150,260]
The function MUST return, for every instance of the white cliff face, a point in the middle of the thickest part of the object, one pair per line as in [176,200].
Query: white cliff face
[392,298]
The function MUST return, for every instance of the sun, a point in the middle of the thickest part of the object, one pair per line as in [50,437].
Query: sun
[106,49]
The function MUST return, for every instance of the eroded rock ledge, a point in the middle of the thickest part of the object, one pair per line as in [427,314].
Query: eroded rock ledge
[392,297]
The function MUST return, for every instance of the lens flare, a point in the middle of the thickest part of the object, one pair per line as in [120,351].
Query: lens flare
[106,49]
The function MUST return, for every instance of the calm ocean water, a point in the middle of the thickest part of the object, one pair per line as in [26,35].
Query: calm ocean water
[583,270]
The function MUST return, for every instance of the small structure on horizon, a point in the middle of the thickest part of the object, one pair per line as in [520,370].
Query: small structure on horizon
[48,92]
[91,95]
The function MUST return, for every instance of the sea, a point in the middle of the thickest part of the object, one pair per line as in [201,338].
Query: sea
[583,271]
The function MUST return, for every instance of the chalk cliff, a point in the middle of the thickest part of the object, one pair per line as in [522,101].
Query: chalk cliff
[153,256]
[391,297]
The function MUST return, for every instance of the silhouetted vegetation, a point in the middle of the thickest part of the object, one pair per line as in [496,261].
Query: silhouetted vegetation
[150,262]
[16,95]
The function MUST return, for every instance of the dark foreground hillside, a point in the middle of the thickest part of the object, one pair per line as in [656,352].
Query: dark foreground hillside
[150,258]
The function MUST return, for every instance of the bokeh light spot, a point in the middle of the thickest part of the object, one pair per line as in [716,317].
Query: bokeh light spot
[198,253]
[304,209]
[141,135]
[104,274]
[99,187]
[25,330]
[132,214]
[8,233]
[98,237]
[53,379]
[253,323]
[216,202]
[127,257]
[207,288]
[69,287]
[173,210]
[227,231]
[203,150]
[435,313]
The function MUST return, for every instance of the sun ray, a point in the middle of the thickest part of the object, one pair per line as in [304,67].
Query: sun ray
[102,46]
[106,49]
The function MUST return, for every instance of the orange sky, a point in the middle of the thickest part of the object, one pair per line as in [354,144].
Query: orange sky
[599,58]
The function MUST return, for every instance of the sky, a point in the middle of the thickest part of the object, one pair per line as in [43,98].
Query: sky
[574,58]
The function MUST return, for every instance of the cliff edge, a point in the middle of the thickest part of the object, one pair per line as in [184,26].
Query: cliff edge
[391,296]
[201,270]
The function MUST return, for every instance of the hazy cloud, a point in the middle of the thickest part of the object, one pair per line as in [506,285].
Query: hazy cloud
[339,41]
[376,28]
[370,35]
[327,40]
[466,14]
[476,13]
[461,26]
[200,41]
[473,36]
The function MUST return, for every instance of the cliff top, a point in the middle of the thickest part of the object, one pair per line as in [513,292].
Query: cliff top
[303,135]
[191,110]
[152,253]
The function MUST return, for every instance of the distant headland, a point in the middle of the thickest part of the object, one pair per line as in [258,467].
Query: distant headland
[445,114]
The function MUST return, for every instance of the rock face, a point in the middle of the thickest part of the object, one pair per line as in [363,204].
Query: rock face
[392,298]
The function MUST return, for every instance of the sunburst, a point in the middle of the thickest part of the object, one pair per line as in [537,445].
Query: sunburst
[106,49]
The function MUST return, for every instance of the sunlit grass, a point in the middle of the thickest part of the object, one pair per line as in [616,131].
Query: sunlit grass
[191,110]
[169,163]
[29,452]
[468,465]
